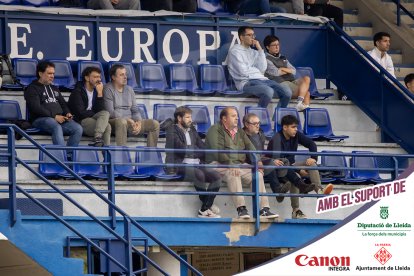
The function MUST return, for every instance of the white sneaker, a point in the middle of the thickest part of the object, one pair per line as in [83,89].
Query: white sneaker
[207,214]
[301,106]
[215,209]
[298,214]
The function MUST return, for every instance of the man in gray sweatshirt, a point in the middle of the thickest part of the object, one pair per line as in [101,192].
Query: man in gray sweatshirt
[124,117]
[247,67]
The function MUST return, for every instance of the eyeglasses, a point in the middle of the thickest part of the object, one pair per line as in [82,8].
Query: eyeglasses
[251,35]
[254,123]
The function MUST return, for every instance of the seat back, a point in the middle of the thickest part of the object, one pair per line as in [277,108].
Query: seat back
[364,163]
[163,111]
[63,74]
[212,78]
[317,122]
[300,157]
[280,113]
[83,64]
[9,110]
[217,111]
[210,6]
[36,3]
[142,111]
[132,80]
[51,168]
[334,161]
[263,114]
[86,156]
[10,2]
[182,77]
[25,69]
[122,162]
[148,157]
[152,76]
[201,117]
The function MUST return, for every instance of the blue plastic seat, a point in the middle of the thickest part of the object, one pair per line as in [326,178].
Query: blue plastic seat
[82,64]
[334,175]
[213,78]
[280,113]
[10,2]
[63,74]
[36,3]
[362,162]
[143,111]
[318,125]
[162,112]
[201,117]
[217,111]
[51,169]
[88,170]
[10,110]
[122,165]
[313,90]
[264,117]
[132,80]
[182,77]
[152,78]
[156,172]
[25,69]
[210,6]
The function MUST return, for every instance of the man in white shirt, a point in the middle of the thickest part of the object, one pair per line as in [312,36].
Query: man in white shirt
[382,42]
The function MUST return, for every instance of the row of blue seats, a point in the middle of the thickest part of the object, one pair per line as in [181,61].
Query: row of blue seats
[317,123]
[150,77]
[35,3]
[87,165]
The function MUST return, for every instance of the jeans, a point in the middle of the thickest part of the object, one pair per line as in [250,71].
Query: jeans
[253,7]
[268,89]
[51,126]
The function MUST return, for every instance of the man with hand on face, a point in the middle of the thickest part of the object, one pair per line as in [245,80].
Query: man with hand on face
[87,103]
[124,115]
[48,109]
[382,42]
[247,67]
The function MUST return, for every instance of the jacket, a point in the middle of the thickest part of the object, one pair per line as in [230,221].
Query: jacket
[280,143]
[44,101]
[78,102]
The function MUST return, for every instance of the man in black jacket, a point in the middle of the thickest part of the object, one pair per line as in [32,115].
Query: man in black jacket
[288,139]
[182,135]
[47,107]
[87,103]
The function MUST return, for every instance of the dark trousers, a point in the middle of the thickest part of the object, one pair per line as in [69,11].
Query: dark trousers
[205,180]
[326,10]
[273,179]
[169,5]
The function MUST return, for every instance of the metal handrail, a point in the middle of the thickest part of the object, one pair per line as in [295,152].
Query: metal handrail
[401,7]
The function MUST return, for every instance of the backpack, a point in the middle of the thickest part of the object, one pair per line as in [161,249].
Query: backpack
[7,74]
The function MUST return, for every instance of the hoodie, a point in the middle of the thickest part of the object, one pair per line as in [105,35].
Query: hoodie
[44,101]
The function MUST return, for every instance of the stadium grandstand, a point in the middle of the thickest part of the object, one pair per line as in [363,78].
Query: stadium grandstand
[115,210]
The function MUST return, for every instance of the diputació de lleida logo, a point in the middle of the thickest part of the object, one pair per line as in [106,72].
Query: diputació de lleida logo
[384,212]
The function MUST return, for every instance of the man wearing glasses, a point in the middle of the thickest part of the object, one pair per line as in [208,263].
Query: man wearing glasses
[247,65]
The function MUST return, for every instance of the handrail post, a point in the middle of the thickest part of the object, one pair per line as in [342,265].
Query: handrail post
[128,247]
[12,175]
[398,13]
[111,188]
[396,167]
[256,197]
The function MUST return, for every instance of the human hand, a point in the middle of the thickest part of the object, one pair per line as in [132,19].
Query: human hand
[310,162]
[278,162]
[60,119]
[99,89]
[114,2]
[303,173]
[136,127]
[256,44]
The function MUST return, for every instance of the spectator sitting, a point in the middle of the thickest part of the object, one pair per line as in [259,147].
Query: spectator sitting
[225,135]
[282,71]
[48,109]
[382,42]
[114,4]
[87,103]
[189,6]
[70,3]
[324,8]
[288,139]
[247,67]
[124,115]
[251,7]
[183,135]
[291,6]
[409,82]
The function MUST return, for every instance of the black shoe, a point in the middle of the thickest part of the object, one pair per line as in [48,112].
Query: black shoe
[283,189]
[305,188]
[265,213]
[242,212]
[97,142]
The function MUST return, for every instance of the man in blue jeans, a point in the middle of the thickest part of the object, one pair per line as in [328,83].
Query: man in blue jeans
[247,66]
[48,109]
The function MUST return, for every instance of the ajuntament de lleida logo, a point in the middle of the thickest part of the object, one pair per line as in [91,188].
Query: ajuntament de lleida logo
[384,212]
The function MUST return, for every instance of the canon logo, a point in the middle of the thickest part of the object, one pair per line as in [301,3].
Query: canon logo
[304,260]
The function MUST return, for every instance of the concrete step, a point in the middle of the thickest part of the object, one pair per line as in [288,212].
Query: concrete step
[364,41]
[401,70]
[392,6]
[358,29]
[351,18]
[338,3]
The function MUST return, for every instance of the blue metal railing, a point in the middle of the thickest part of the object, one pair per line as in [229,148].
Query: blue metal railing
[13,160]
[399,8]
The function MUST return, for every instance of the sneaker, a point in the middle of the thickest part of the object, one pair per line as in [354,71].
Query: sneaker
[242,212]
[301,106]
[207,214]
[298,214]
[328,189]
[265,213]
[215,209]
[283,189]
[97,142]
[305,188]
